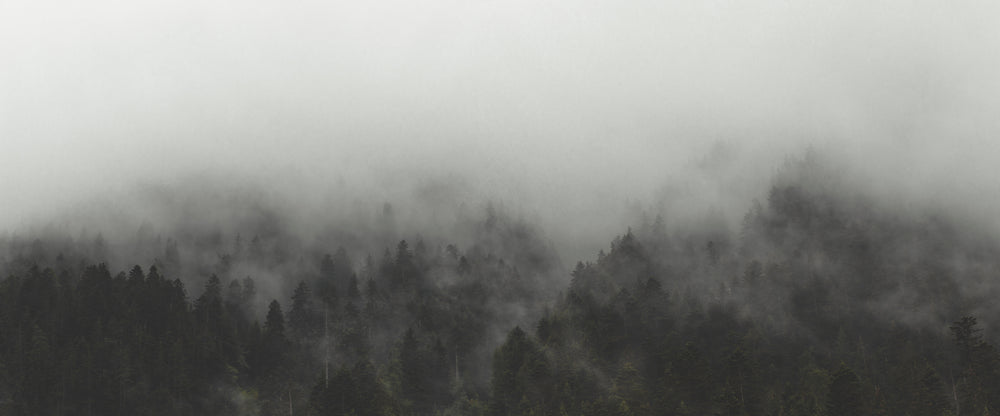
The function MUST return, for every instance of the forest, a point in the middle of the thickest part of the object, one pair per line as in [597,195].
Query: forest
[824,300]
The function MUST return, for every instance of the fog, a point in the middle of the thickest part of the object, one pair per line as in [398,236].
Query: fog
[575,114]
[481,207]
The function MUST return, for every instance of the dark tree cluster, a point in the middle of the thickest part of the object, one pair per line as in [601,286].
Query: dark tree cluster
[824,303]
[406,334]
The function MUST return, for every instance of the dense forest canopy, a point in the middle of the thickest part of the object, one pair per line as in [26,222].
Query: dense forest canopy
[823,300]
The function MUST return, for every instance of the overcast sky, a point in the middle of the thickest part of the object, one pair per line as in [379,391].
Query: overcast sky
[558,105]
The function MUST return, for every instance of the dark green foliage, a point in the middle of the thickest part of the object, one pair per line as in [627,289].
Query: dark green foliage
[413,368]
[928,393]
[520,376]
[351,391]
[968,339]
[978,386]
[302,318]
[821,305]
[845,398]
[274,327]
[424,377]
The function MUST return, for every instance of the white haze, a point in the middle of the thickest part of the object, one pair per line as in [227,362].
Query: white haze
[571,111]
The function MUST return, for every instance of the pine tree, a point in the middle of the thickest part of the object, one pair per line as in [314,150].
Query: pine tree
[302,317]
[845,397]
[274,326]
[273,343]
[413,374]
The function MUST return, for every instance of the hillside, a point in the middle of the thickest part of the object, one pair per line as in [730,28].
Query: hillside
[824,301]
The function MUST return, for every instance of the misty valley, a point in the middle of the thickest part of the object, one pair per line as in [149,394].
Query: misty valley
[823,300]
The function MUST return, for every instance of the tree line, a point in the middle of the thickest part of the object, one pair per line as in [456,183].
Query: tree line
[822,303]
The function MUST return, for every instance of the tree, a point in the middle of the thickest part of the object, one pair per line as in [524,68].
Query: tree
[967,338]
[413,374]
[351,391]
[218,340]
[520,375]
[249,291]
[693,376]
[39,375]
[463,268]
[172,254]
[274,326]
[439,376]
[979,385]
[274,344]
[928,397]
[208,307]
[629,390]
[327,285]
[742,384]
[234,294]
[302,317]
[405,269]
[845,397]
[136,275]
[353,292]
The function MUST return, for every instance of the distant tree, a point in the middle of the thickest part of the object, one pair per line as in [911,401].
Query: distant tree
[629,391]
[520,373]
[979,385]
[256,251]
[967,338]
[302,317]
[845,397]
[404,267]
[172,254]
[234,294]
[238,246]
[100,248]
[40,374]
[355,391]
[274,326]
[810,396]
[136,276]
[249,290]
[413,374]
[420,256]
[327,285]
[273,345]
[439,378]
[387,267]
[742,384]
[464,268]
[208,306]
[928,396]
[452,251]
[353,292]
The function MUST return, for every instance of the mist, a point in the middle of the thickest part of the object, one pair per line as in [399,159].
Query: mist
[794,173]
[568,111]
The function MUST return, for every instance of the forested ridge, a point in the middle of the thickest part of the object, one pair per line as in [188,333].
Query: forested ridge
[823,301]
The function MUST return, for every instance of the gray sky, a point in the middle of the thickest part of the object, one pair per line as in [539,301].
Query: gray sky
[566,107]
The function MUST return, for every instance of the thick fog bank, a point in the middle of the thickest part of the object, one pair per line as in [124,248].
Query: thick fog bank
[573,113]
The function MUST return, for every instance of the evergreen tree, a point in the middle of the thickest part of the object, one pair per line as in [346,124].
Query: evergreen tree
[274,326]
[520,371]
[413,375]
[845,397]
[273,345]
[302,317]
